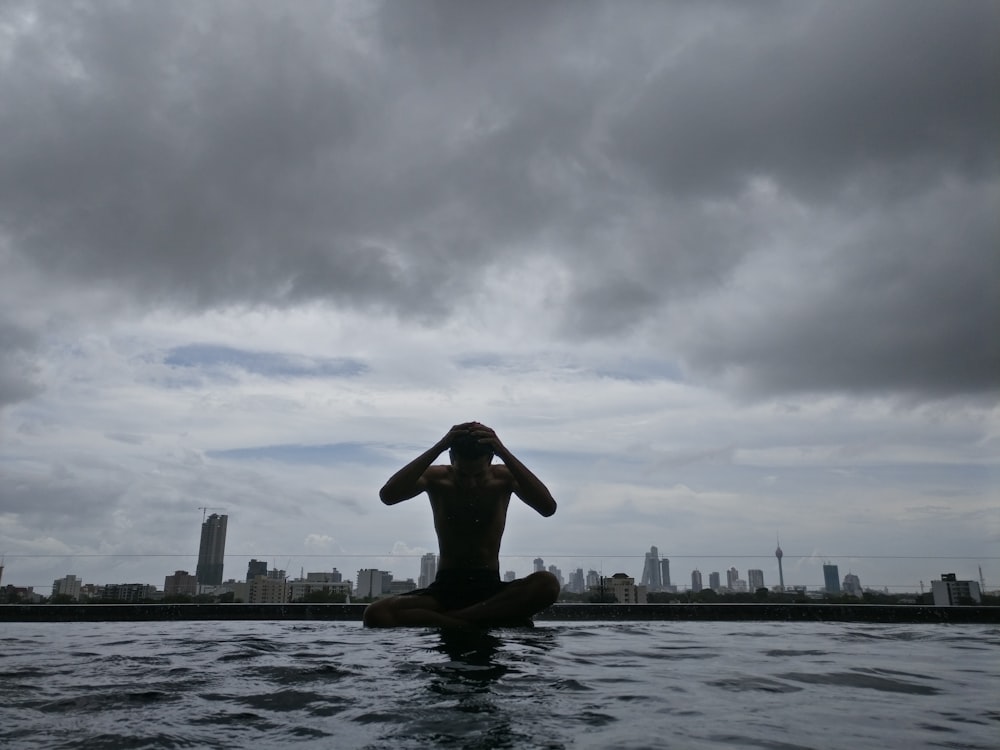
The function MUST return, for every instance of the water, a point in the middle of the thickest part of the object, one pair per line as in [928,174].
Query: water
[560,685]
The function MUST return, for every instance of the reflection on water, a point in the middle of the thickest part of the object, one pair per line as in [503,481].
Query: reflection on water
[580,685]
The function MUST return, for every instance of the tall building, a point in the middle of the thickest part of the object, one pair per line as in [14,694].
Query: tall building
[373,583]
[949,591]
[732,575]
[696,581]
[256,568]
[665,574]
[651,570]
[781,573]
[831,578]
[212,551]
[557,573]
[576,582]
[268,590]
[715,581]
[852,585]
[755,579]
[539,564]
[428,570]
[68,586]
[181,583]
[623,588]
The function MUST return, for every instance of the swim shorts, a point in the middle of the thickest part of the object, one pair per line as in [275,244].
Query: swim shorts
[457,589]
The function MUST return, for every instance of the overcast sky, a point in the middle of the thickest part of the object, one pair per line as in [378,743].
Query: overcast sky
[716,272]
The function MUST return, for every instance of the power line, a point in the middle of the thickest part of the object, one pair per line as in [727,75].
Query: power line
[825,556]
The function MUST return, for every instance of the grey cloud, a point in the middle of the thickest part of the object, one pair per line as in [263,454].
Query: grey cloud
[822,94]
[18,368]
[384,157]
[264,363]
[908,306]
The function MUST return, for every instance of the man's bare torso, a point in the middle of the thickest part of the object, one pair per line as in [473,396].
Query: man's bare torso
[470,513]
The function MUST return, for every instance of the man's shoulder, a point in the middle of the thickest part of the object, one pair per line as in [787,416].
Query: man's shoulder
[437,472]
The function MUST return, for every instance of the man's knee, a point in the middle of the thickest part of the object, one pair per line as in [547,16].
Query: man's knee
[378,615]
[546,586]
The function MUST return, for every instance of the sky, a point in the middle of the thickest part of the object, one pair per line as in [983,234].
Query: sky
[719,274]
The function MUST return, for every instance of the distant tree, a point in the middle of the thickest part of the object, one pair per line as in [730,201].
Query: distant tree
[324,597]
[598,597]
[572,596]
[61,599]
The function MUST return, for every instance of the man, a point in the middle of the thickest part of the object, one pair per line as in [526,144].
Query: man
[469,499]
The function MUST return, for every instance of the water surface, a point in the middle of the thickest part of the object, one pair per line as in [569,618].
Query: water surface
[559,685]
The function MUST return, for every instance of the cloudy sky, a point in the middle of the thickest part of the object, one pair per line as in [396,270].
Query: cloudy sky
[716,272]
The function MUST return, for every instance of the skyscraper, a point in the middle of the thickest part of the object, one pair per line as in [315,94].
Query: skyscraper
[731,577]
[651,571]
[781,573]
[831,577]
[256,568]
[539,564]
[696,581]
[852,585]
[714,581]
[665,574]
[428,570]
[755,579]
[212,551]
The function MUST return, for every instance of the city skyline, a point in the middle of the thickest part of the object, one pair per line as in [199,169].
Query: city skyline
[819,576]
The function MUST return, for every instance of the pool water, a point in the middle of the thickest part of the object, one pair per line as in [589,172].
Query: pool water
[558,685]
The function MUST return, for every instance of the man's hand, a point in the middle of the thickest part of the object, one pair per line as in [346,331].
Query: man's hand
[486,436]
[457,431]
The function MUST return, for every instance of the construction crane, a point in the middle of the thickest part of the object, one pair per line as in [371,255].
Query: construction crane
[204,511]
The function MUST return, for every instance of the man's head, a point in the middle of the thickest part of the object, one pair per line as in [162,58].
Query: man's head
[468,449]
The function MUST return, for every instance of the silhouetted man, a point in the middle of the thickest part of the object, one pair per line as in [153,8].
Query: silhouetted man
[469,498]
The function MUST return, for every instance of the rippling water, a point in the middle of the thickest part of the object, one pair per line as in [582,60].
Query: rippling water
[560,685]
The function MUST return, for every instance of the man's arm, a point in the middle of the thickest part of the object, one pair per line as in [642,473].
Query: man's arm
[410,481]
[527,486]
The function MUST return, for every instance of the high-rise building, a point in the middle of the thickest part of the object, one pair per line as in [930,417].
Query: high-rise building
[373,583]
[509,575]
[557,573]
[539,564]
[268,590]
[715,581]
[428,570]
[781,573]
[68,586]
[623,588]
[755,579]
[665,574]
[831,577]
[852,585]
[256,568]
[731,577]
[651,571]
[949,591]
[696,581]
[576,582]
[212,551]
[181,583]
